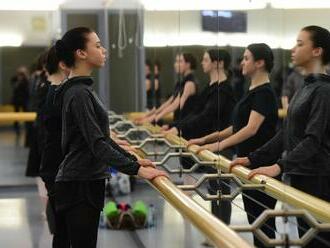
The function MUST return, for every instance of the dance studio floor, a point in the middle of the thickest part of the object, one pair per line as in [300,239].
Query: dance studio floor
[22,222]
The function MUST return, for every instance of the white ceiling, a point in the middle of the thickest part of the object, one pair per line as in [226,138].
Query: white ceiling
[39,27]
[161,4]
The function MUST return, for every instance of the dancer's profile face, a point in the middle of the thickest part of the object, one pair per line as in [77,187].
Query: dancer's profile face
[95,53]
[206,63]
[303,52]
[176,64]
[248,63]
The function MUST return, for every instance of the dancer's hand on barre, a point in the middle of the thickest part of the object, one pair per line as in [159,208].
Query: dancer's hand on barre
[150,119]
[113,135]
[121,142]
[138,121]
[150,173]
[243,161]
[129,148]
[198,141]
[213,147]
[173,131]
[165,127]
[146,163]
[271,171]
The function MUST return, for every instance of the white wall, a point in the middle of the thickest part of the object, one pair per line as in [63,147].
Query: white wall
[34,27]
[273,26]
[276,27]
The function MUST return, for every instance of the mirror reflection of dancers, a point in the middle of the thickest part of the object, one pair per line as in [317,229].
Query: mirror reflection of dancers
[254,123]
[305,136]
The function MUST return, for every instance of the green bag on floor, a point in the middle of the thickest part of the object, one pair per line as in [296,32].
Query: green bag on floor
[140,209]
[110,210]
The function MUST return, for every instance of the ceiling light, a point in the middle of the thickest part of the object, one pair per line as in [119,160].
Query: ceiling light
[13,40]
[300,4]
[31,5]
[172,5]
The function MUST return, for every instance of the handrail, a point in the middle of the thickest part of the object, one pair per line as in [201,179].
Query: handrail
[218,232]
[31,116]
[17,116]
[282,113]
[213,228]
[320,209]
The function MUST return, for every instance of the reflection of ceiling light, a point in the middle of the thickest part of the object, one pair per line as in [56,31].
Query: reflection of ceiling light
[300,4]
[11,211]
[13,40]
[203,4]
[220,39]
[30,4]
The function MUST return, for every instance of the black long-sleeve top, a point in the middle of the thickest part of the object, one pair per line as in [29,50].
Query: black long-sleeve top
[212,111]
[37,132]
[86,144]
[52,152]
[305,137]
[20,91]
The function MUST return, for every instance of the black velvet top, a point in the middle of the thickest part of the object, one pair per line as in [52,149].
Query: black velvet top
[86,144]
[305,136]
[52,153]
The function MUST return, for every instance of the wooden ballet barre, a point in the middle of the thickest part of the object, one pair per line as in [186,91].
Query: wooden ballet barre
[17,116]
[133,115]
[214,229]
[31,116]
[320,209]
[282,113]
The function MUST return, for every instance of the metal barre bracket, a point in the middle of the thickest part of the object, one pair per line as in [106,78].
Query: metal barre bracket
[197,163]
[219,196]
[315,227]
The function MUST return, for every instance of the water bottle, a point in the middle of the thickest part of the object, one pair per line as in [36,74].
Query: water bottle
[102,223]
[151,216]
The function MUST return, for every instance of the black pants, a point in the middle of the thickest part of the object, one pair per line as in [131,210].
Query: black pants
[18,108]
[82,223]
[220,209]
[254,209]
[56,220]
[318,186]
[80,203]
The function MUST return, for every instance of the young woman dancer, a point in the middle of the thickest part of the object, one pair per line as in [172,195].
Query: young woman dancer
[87,147]
[305,137]
[254,123]
[212,112]
[184,95]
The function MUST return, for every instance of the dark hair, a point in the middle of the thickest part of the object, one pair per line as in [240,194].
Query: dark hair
[320,38]
[41,60]
[71,41]
[189,58]
[148,63]
[262,51]
[52,61]
[220,55]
